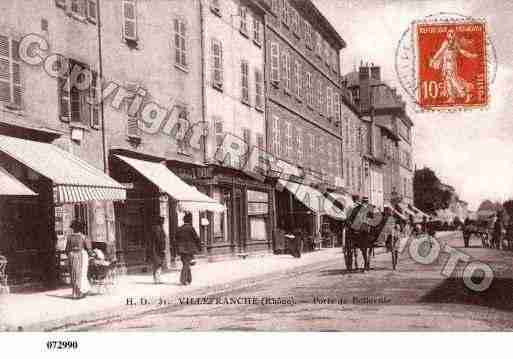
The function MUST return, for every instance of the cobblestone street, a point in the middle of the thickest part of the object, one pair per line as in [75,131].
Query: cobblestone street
[325,297]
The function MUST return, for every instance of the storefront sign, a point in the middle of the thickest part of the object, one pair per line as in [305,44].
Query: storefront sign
[255,208]
[257,196]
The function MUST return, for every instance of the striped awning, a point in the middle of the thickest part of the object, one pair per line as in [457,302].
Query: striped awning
[188,197]
[10,186]
[313,199]
[74,180]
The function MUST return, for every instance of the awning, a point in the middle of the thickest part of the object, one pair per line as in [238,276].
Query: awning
[313,199]
[342,201]
[10,186]
[74,180]
[396,213]
[189,198]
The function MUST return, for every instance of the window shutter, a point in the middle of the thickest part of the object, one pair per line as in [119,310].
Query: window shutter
[217,64]
[259,96]
[64,100]
[244,67]
[180,39]
[94,108]
[275,63]
[10,72]
[257,31]
[329,103]
[298,80]
[92,14]
[243,12]
[129,20]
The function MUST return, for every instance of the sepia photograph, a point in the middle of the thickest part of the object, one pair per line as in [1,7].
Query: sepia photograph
[255,166]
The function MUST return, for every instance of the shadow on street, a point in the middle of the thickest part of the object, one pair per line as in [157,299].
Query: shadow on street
[453,290]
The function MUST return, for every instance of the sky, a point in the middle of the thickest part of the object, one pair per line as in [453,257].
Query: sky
[473,150]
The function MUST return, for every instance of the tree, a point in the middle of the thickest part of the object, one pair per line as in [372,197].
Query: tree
[428,192]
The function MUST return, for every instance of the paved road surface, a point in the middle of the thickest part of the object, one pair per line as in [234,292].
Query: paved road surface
[414,297]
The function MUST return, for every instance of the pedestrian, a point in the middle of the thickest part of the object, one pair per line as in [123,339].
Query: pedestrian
[158,248]
[77,247]
[509,234]
[466,231]
[188,244]
[498,231]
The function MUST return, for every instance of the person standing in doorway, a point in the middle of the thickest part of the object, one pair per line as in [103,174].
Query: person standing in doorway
[158,248]
[187,244]
[77,246]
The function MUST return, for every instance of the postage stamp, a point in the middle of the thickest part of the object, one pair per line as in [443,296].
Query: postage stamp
[446,62]
[451,64]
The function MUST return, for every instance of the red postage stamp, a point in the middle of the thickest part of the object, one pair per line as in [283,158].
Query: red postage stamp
[451,65]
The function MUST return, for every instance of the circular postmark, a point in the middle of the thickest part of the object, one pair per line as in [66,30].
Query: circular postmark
[446,62]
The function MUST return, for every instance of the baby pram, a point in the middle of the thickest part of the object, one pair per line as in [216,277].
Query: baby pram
[102,274]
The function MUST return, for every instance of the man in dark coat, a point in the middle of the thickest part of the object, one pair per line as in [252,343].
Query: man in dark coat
[498,231]
[187,244]
[158,248]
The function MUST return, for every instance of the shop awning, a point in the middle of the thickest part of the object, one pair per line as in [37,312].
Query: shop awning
[74,180]
[10,186]
[313,199]
[406,211]
[189,198]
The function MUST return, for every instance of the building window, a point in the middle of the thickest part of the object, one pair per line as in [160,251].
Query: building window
[129,21]
[286,71]
[275,63]
[243,14]
[286,13]
[74,104]
[336,106]
[317,43]
[215,7]
[257,31]
[295,22]
[298,79]
[288,139]
[217,64]
[218,129]
[259,90]
[309,89]
[244,70]
[276,136]
[275,6]
[299,145]
[308,35]
[10,73]
[180,48]
[329,103]
[319,96]
[311,146]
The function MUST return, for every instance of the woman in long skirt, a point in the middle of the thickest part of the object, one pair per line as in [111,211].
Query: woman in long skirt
[76,247]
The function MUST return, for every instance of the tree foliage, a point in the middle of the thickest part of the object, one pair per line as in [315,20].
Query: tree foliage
[429,194]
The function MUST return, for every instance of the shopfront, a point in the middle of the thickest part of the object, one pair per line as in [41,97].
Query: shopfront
[154,190]
[33,228]
[247,224]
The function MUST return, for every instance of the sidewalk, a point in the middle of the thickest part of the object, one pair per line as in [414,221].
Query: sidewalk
[37,311]
[53,309]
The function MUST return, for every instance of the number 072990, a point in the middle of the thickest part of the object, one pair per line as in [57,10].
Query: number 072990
[61,344]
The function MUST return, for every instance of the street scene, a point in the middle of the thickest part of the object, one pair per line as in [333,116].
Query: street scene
[255,165]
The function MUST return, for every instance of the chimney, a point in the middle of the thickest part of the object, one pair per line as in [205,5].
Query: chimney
[375,73]
[364,82]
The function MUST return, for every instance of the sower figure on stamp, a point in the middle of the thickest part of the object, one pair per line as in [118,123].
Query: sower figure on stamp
[158,248]
[446,60]
[187,244]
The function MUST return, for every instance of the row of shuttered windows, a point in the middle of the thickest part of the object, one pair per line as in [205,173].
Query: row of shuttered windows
[299,145]
[302,29]
[302,84]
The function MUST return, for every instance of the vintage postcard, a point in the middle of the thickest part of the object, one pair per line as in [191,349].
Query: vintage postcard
[255,165]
